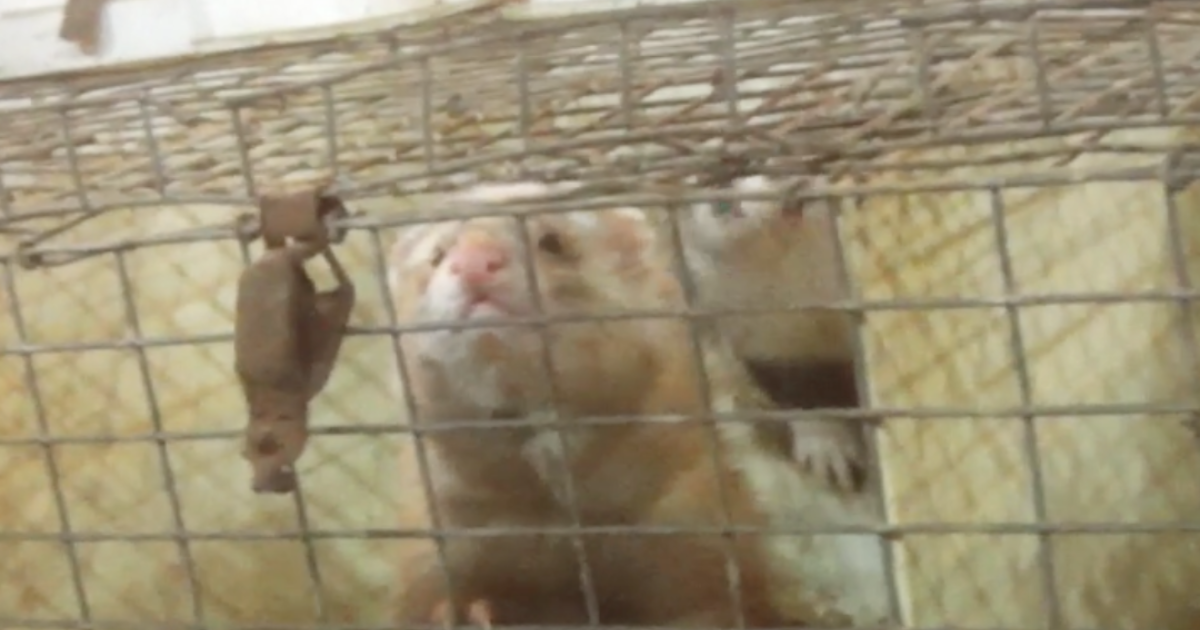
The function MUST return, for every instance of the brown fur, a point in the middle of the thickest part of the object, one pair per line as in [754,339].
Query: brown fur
[645,475]
[623,474]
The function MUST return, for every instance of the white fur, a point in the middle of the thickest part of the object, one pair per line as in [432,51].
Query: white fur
[585,220]
[421,251]
[713,232]
[400,256]
[474,382]
[637,214]
[415,245]
[756,211]
[809,272]
[478,382]
[548,452]
[445,300]
[647,235]
[846,573]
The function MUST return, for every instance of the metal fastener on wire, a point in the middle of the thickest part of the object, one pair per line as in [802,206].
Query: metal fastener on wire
[287,334]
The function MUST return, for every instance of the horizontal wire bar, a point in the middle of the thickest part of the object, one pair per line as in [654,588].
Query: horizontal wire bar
[692,313]
[68,624]
[893,531]
[1129,412]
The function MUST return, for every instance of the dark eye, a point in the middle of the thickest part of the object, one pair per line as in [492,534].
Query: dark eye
[552,243]
[436,258]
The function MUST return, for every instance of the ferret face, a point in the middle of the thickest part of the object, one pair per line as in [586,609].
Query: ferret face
[477,270]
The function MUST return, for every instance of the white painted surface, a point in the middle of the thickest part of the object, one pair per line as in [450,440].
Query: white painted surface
[144,29]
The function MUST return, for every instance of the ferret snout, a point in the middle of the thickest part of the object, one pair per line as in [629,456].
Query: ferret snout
[477,261]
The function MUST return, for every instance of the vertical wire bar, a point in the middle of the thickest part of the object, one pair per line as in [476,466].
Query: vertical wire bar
[311,562]
[46,438]
[330,129]
[152,147]
[524,106]
[73,162]
[164,457]
[427,148]
[1157,67]
[729,69]
[5,205]
[1045,107]
[586,578]
[298,501]
[922,73]
[733,569]
[418,428]
[625,78]
[45,435]
[863,383]
[243,145]
[1046,562]
[1179,265]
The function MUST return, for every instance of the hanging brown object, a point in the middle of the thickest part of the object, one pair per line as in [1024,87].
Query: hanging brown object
[81,24]
[287,334]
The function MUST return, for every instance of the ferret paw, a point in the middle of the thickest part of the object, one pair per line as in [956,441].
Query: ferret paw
[834,451]
[477,613]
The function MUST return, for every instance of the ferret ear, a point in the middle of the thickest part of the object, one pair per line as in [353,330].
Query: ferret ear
[631,236]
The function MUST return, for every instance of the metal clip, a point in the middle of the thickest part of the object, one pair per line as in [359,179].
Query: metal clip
[287,335]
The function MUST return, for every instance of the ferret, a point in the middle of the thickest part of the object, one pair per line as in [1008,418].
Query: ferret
[659,473]
[754,253]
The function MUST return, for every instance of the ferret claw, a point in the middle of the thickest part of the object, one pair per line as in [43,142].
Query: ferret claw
[832,453]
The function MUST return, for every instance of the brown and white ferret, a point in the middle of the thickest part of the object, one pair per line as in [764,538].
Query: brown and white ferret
[621,474]
[754,254]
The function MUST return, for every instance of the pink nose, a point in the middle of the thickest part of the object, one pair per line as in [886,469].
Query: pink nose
[477,261]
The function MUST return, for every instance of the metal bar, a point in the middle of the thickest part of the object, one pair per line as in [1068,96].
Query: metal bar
[49,454]
[133,321]
[1032,450]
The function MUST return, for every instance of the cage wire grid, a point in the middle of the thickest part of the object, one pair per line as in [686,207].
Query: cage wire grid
[121,246]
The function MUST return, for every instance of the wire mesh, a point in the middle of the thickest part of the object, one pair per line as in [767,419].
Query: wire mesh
[1017,213]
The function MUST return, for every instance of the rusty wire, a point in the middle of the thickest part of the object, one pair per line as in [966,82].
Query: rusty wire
[476,97]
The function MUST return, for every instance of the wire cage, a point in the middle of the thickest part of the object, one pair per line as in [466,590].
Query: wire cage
[1018,215]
